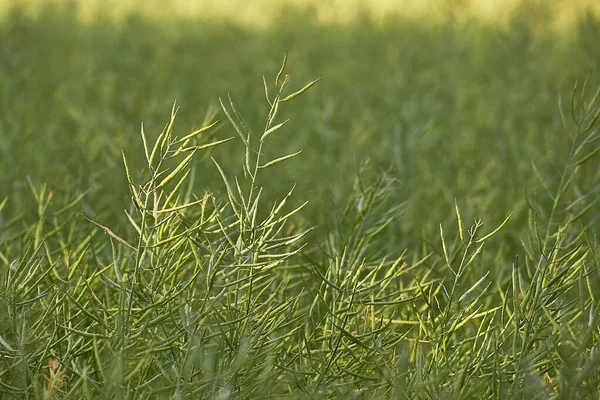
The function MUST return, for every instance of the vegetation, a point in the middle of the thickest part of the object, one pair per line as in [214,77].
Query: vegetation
[401,209]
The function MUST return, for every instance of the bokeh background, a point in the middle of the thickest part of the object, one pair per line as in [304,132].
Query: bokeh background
[456,99]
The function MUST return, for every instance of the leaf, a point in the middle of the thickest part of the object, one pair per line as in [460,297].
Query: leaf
[178,169]
[164,134]
[273,111]
[444,248]
[272,129]
[235,125]
[146,152]
[473,315]
[201,146]
[73,268]
[472,288]
[6,344]
[539,176]
[299,92]
[266,91]
[492,233]
[280,159]
[573,114]
[240,118]
[588,157]
[593,120]
[230,191]
[460,221]
[281,70]
[582,212]
[109,232]
[196,132]
[181,207]
[127,169]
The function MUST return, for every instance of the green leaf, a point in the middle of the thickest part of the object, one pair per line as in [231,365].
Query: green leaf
[460,221]
[280,159]
[127,169]
[144,141]
[164,135]
[588,157]
[299,92]
[444,248]
[492,233]
[272,129]
[273,111]
[582,212]
[472,288]
[201,146]
[6,344]
[234,123]
[281,70]
[174,173]
[196,132]
[230,191]
[473,315]
[266,91]
[240,118]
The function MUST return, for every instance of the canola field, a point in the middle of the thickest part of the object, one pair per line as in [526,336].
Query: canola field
[299,199]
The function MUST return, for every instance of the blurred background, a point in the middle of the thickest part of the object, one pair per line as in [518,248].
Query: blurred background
[264,13]
[456,99]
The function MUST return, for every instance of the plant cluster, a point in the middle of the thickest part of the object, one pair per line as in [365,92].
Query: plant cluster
[221,295]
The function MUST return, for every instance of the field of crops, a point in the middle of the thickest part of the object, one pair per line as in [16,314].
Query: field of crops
[337,200]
